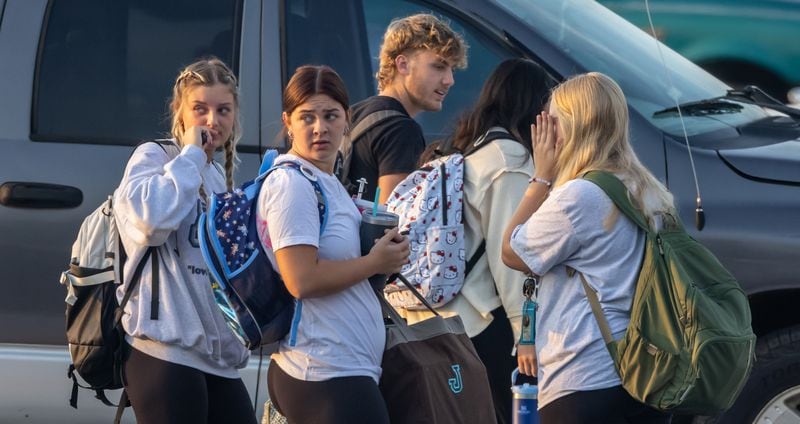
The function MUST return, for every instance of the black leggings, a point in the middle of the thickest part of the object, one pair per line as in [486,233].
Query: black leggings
[494,345]
[341,400]
[612,405]
[165,393]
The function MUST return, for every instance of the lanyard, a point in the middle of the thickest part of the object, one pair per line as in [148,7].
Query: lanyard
[530,289]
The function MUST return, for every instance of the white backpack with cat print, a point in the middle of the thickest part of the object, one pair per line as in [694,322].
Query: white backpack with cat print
[430,202]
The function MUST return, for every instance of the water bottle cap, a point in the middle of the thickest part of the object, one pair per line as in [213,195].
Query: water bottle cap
[525,391]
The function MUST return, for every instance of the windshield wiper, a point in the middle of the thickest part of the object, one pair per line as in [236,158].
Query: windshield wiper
[753,95]
[729,103]
[715,106]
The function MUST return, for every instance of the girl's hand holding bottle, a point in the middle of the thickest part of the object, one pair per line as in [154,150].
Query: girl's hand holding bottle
[390,252]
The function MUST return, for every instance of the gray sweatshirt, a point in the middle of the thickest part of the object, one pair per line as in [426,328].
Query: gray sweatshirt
[157,204]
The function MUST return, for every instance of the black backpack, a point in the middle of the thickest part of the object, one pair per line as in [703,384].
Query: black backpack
[93,315]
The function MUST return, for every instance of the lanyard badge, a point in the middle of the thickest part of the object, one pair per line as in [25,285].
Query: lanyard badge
[529,287]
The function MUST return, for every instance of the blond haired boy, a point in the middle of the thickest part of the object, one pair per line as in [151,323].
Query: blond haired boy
[417,59]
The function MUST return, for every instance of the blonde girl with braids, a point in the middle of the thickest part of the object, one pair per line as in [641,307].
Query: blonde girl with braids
[181,361]
[564,222]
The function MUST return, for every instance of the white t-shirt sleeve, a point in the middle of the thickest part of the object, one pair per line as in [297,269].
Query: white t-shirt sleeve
[550,237]
[288,205]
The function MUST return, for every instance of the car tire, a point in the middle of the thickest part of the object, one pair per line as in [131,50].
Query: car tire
[772,393]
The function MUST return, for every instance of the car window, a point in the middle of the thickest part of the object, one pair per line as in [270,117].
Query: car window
[600,40]
[347,36]
[324,32]
[105,69]
[483,56]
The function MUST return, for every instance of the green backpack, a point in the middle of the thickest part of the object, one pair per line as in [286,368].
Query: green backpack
[689,346]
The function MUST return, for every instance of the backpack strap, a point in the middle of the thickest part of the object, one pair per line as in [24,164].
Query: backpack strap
[154,297]
[389,310]
[486,139]
[345,154]
[446,146]
[137,273]
[162,143]
[618,193]
[123,403]
[475,257]
[597,311]
[322,200]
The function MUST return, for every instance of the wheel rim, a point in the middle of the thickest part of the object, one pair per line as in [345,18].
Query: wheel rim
[781,409]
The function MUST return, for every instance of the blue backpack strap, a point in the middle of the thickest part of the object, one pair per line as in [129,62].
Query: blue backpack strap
[267,161]
[322,200]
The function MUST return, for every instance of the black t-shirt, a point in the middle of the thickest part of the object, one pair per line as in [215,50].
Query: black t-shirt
[391,146]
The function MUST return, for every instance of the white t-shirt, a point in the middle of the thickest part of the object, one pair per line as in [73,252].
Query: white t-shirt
[338,335]
[569,229]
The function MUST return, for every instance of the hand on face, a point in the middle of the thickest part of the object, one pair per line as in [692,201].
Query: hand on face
[546,145]
[194,135]
[210,110]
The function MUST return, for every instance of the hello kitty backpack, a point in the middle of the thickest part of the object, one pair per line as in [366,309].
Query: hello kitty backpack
[429,202]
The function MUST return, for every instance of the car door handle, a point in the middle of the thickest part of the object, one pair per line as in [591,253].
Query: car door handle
[39,195]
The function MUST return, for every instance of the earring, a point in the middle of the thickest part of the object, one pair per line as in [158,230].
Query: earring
[290,135]
[346,129]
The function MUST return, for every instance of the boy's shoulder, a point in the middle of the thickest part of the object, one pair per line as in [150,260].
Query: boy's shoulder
[374,104]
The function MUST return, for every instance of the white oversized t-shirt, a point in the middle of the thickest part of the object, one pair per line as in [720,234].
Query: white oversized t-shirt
[568,230]
[338,335]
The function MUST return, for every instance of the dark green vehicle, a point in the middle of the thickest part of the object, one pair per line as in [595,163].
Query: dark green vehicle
[82,81]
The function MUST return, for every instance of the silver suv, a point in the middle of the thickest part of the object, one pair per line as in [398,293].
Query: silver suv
[82,81]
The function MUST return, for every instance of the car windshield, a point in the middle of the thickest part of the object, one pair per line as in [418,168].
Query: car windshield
[600,40]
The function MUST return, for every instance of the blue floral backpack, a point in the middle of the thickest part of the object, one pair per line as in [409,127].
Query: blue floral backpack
[249,291]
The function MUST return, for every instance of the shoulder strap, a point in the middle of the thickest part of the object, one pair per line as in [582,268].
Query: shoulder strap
[597,311]
[486,139]
[475,257]
[344,156]
[322,200]
[137,273]
[618,193]
[371,120]
[389,309]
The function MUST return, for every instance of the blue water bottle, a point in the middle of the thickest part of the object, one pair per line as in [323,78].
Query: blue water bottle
[526,403]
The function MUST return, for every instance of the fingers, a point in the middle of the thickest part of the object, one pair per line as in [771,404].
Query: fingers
[394,248]
[526,359]
[526,366]
[199,136]
[391,234]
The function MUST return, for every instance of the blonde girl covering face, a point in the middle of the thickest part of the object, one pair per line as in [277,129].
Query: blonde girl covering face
[591,126]
[563,221]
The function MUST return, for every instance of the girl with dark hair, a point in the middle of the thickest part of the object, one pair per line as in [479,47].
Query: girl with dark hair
[182,363]
[495,178]
[327,368]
